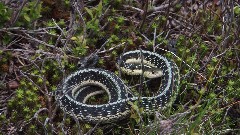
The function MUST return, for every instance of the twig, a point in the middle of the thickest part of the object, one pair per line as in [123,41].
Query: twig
[39,111]
[79,7]
[144,14]
[154,38]
[141,84]
[78,125]
[134,8]
[62,33]
[163,6]
[62,124]
[92,129]
[112,48]
[17,13]
[31,81]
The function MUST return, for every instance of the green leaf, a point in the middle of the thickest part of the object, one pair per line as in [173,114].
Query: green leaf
[237,10]
[89,12]
[74,38]
[26,17]
[99,8]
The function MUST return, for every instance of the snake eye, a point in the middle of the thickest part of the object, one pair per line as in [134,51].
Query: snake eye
[153,72]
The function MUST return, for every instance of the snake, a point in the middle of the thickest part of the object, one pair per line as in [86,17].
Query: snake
[79,86]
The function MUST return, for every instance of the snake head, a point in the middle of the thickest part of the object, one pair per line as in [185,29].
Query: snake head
[89,61]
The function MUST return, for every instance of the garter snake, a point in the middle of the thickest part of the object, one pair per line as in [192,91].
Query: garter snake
[82,84]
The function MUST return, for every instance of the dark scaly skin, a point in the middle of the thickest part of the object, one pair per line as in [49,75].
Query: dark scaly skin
[117,108]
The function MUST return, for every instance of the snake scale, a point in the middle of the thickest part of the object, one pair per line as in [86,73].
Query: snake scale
[86,82]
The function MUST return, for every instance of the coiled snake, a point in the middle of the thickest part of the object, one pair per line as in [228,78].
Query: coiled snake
[82,84]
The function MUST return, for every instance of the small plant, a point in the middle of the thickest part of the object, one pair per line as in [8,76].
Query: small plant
[29,13]
[136,111]
[4,14]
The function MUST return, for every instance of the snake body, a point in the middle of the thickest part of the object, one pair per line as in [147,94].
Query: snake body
[85,82]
